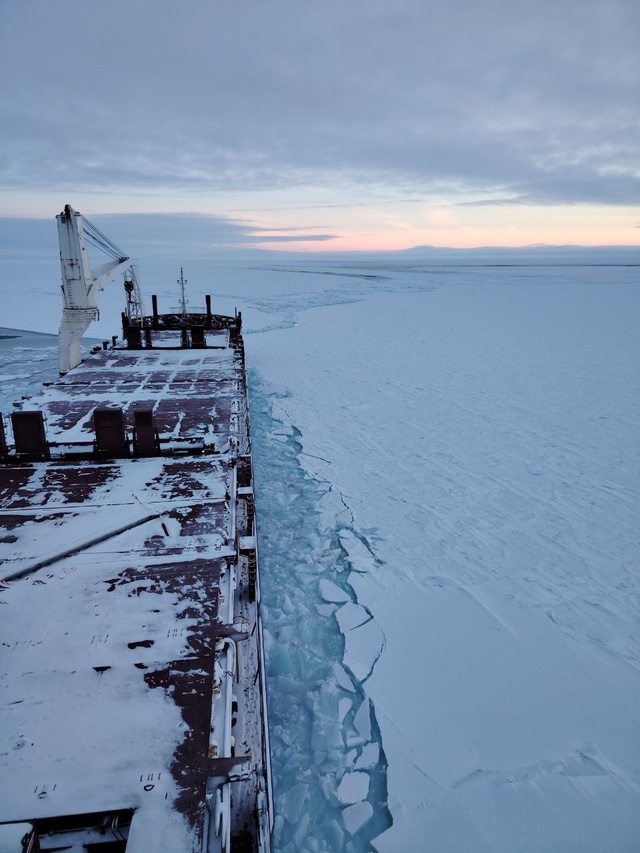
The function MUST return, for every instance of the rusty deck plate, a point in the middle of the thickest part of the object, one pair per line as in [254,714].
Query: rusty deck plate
[115,589]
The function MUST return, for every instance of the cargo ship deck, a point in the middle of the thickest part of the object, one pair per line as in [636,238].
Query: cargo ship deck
[132,695]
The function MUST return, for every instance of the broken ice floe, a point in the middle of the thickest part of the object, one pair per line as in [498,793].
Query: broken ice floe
[362,720]
[363,646]
[351,615]
[353,787]
[356,816]
[328,765]
[342,677]
[344,706]
[294,800]
[332,592]
[369,756]
[360,557]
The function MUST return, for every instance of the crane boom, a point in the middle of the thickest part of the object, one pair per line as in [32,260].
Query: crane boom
[80,284]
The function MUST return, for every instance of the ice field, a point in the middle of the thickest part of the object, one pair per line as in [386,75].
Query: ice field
[448,488]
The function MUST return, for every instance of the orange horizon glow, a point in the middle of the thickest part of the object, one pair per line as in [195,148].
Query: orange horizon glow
[464,227]
[395,243]
[367,226]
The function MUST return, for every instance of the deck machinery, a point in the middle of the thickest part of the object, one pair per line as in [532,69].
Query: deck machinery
[132,688]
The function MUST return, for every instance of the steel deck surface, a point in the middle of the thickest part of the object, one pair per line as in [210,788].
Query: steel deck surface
[122,581]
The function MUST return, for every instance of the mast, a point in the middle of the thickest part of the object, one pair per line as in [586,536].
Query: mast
[183,299]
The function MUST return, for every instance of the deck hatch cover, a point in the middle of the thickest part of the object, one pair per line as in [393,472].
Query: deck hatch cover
[110,433]
[145,435]
[29,434]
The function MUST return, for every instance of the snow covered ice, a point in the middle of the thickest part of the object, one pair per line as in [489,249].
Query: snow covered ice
[447,461]
[476,434]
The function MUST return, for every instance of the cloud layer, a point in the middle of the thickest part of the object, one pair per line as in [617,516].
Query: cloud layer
[153,236]
[491,101]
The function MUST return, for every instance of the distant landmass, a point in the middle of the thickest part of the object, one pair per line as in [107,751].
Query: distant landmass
[535,254]
[6,334]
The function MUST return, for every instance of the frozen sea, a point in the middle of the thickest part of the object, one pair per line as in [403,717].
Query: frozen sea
[448,481]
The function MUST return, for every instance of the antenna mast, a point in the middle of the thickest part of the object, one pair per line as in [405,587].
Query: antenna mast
[183,299]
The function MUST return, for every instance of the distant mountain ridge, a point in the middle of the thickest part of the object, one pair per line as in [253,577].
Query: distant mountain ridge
[534,254]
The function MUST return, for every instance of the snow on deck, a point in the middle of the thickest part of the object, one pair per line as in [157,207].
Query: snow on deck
[113,597]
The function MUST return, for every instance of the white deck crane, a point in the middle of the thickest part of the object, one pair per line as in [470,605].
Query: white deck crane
[81,284]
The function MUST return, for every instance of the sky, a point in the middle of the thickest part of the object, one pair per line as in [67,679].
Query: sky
[351,125]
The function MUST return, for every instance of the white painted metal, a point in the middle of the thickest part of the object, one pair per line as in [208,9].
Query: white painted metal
[80,286]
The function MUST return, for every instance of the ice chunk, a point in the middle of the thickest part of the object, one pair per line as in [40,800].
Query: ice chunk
[278,823]
[279,660]
[323,700]
[351,615]
[362,720]
[326,734]
[293,801]
[344,706]
[334,835]
[332,592]
[360,557]
[286,634]
[315,540]
[356,816]
[325,609]
[369,756]
[353,787]
[342,678]
[362,648]
[301,831]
